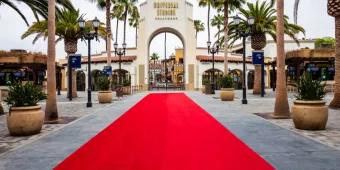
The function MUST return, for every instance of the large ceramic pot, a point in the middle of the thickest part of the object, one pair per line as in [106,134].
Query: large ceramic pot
[208,89]
[105,96]
[310,115]
[227,94]
[126,90]
[24,121]
[203,89]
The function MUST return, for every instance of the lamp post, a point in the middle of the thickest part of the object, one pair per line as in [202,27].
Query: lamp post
[120,52]
[89,36]
[244,33]
[213,50]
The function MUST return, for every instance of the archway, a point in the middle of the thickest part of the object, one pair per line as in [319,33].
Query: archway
[207,77]
[125,77]
[95,75]
[250,78]
[168,70]
[81,78]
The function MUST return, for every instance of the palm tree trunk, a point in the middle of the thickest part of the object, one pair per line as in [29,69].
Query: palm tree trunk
[226,30]
[336,100]
[281,102]
[208,24]
[51,111]
[108,30]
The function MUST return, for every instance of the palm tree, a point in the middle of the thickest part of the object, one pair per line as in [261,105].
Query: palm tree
[38,7]
[134,22]
[67,29]
[296,10]
[281,109]
[265,24]
[106,5]
[218,21]
[199,26]
[334,10]
[227,6]
[154,57]
[51,110]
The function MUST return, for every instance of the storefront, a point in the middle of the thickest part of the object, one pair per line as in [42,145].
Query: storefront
[318,62]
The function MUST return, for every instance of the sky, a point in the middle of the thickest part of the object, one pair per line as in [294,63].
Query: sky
[312,16]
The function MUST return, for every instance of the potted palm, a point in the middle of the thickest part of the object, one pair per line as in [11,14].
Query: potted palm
[104,93]
[309,111]
[227,88]
[25,116]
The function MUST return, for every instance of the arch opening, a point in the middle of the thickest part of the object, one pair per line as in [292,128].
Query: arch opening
[166,60]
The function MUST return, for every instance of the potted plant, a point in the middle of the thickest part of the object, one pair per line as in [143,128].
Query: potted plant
[227,88]
[204,82]
[104,93]
[309,111]
[25,117]
[126,87]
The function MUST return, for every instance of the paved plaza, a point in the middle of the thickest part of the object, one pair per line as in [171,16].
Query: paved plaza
[275,140]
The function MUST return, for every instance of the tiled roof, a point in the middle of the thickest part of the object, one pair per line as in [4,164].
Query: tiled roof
[204,58]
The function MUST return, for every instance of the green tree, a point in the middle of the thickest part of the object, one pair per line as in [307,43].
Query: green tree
[218,22]
[325,41]
[199,26]
[38,7]
[265,17]
[67,29]
[227,6]
[106,5]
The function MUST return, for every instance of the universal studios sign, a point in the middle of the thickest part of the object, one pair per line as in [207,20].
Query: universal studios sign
[166,10]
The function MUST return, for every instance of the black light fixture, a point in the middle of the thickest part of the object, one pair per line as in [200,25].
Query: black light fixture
[244,33]
[89,36]
[213,50]
[120,52]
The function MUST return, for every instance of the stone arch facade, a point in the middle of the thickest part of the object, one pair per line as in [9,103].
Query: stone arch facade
[176,17]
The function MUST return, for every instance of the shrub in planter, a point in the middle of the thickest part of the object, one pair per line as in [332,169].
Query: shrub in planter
[204,83]
[104,93]
[227,88]
[309,111]
[127,87]
[25,117]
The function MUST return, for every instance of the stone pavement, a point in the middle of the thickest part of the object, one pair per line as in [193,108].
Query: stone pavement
[281,147]
[68,111]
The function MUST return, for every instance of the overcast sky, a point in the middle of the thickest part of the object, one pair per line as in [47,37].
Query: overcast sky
[312,16]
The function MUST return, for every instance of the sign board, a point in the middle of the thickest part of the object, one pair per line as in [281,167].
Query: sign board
[107,70]
[258,57]
[75,60]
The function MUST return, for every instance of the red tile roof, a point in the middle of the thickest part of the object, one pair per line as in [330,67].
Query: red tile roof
[203,58]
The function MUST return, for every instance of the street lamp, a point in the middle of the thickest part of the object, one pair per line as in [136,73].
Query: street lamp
[89,36]
[213,50]
[244,33]
[120,52]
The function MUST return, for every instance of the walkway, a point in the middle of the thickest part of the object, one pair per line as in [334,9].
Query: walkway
[282,148]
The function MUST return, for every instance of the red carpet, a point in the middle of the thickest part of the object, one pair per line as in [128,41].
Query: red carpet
[165,132]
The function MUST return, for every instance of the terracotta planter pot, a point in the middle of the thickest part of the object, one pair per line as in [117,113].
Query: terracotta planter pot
[105,96]
[203,89]
[227,94]
[24,121]
[126,90]
[310,115]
